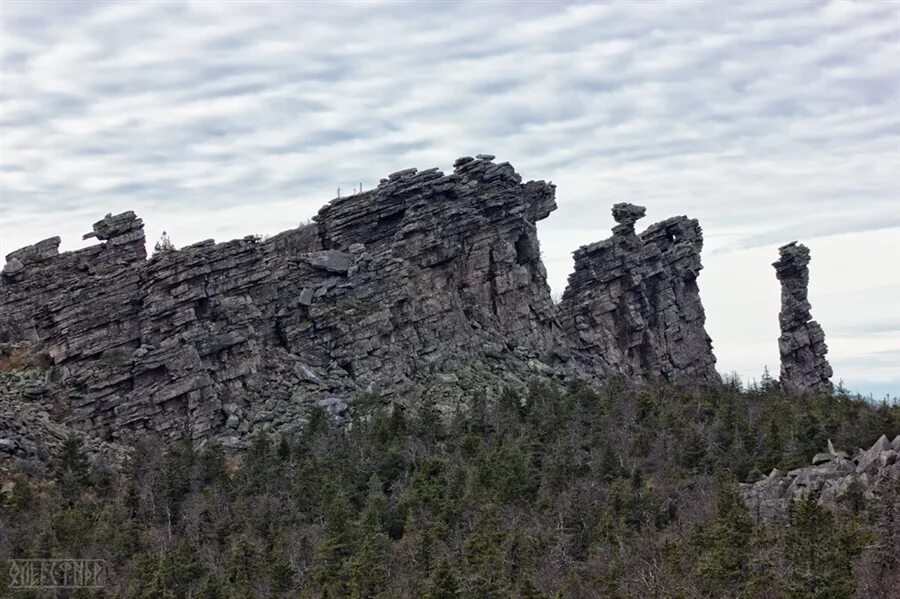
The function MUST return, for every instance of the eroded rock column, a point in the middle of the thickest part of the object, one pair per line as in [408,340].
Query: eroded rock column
[802,341]
[633,303]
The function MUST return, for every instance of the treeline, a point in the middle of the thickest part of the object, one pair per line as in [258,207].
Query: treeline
[577,494]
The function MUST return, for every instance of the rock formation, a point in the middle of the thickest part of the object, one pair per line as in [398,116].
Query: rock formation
[831,475]
[633,301]
[429,287]
[802,341]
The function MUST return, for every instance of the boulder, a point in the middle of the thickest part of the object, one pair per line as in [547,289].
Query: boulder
[331,261]
[821,458]
[868,460]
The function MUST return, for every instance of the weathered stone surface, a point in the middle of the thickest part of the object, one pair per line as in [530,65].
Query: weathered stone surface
[428,285]
[28,431]
[633,301]
[821,458]
[330,260]
[827,479]
[868,460]
[802,341]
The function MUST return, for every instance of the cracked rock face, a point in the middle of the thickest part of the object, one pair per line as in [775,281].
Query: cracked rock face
[429,287]
[802,341]
[633,301]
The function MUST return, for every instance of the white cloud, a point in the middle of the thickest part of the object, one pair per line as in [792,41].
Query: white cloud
[767,121]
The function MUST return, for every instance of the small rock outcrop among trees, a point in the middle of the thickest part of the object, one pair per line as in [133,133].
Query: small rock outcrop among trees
[833,477]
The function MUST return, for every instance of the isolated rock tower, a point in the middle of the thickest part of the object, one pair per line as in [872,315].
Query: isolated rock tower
[802,341]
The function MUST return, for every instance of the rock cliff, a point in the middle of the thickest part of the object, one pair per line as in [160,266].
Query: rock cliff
[429,287]
[802,341]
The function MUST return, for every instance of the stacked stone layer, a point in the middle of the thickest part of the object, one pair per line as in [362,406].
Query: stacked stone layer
[802,341]
[633,301]
[429,287]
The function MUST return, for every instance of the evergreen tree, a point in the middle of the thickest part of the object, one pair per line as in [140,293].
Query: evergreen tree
[444,582]
[484,554]
[164,245]
[819,553]
[71,469]
[368,570]
[726,544]
[336,547]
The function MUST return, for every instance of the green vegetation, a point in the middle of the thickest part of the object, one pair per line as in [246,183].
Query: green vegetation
[578,494]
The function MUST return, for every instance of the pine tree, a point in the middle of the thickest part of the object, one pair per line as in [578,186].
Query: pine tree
[726,545]
[368,572]
[485,560]
[444,582]
[72,469]
[819,553]
[336,547]
[887,533]
[164,245]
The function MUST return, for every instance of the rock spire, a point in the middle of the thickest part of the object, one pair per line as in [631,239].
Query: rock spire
[802,341]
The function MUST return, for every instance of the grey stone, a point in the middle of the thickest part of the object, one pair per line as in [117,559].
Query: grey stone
[821,458]
[385,289]
[306,296]
[627,215]
[330,260]
[633,301]
[868,459]
[306,373]
[827,479]
[13,267]
[802,341]
[334,405]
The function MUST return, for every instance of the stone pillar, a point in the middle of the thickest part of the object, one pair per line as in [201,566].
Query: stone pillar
[633,304]
[802,341]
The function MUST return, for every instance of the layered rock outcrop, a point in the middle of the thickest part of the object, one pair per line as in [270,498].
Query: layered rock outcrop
[829,478]
[429,287]
[633,301]
[802,341]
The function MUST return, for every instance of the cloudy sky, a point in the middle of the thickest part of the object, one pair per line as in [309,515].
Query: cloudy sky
[768,121]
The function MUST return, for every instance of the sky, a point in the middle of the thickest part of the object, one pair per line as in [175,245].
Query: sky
[768,121]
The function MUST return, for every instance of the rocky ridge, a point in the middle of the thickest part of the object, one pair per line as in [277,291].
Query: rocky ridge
[428,288]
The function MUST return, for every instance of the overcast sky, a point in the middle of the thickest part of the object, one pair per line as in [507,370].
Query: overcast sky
[768,121]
